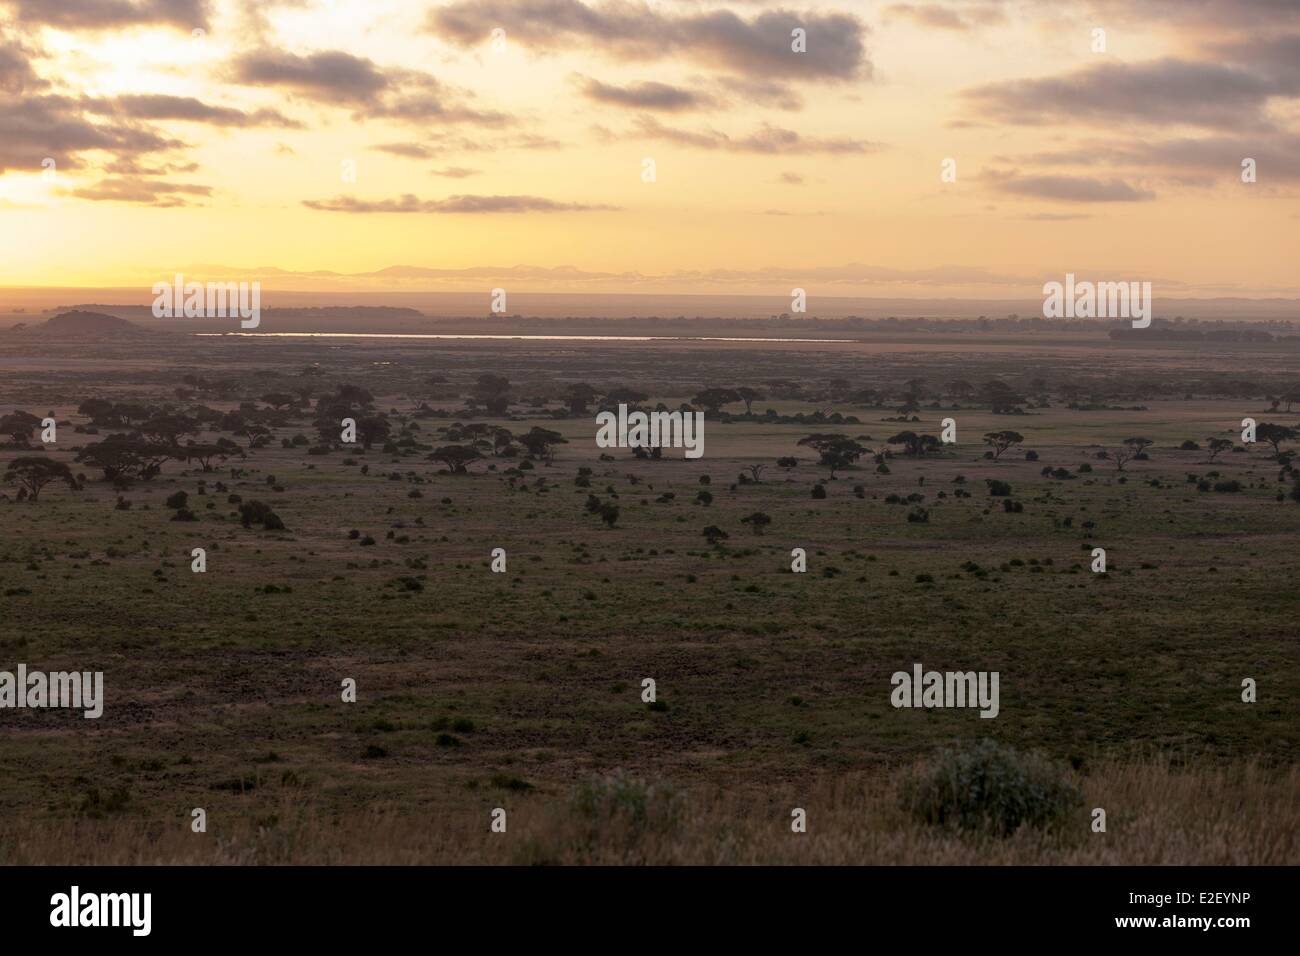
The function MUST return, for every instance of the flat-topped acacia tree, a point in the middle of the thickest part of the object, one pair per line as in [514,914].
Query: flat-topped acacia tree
[456,457]
[1275,435]
[1002,440]
[33,473]
[836,451]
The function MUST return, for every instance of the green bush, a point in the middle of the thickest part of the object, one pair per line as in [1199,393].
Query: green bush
[629,800]
[989,788]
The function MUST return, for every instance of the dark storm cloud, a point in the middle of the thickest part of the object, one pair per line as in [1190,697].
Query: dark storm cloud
[453,204]
[759,45]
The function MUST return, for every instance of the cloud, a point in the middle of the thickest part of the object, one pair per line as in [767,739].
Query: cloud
[331,76]
[762,92]
[405,150]
[112,14]
[132,166]
[456,172]
[1168,91]
[1055,216]
[1237,15]
[184,109]
[150,192]
[759,45]
[452,204]
[37,127]
[340,79]
[933,15]
[1187,159]
[1068,188]
[16,73]
[766,139]
[645,95]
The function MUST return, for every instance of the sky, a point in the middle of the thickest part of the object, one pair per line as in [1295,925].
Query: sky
[509,143]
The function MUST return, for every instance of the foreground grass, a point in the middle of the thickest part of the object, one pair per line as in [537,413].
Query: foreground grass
[1157,814]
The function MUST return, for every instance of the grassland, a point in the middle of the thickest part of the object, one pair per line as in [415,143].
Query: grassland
[479,690]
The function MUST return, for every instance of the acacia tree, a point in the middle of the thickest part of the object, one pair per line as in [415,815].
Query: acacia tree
[33,473]
[1275,435]
[371,429]
[1218,446]
[622,395]
[1139,445]
[492,392]
[757,521]
[18,426]
[836,451]
[1000,441]
[1120,456]
[1002,398]
[169,428]
[749,396]
[456,457]
[204,452]
[540,443]
[712,399]
[124,459]
[578,396]
[916,445]
[280,400]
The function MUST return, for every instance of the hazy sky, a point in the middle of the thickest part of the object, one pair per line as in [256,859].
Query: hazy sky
[185,132]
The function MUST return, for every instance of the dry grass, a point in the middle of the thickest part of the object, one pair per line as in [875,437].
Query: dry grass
[1157,814]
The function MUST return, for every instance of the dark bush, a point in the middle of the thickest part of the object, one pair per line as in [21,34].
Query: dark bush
[991,788]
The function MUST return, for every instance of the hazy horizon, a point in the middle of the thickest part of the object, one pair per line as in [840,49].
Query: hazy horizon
[673,149]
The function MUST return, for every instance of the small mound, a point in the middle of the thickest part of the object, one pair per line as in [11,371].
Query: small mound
[88,323]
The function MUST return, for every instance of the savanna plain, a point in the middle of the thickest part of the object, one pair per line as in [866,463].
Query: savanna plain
[523,690]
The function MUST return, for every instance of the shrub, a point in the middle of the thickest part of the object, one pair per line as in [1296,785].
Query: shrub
[819,491]
[1229,487]
[623,799]
[990,788]
[178,500]
[257,512]
[999,489]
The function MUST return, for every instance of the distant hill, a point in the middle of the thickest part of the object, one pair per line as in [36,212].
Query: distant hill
[88,323]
